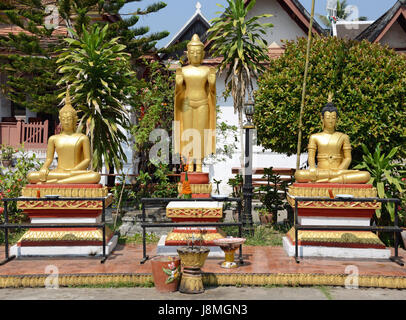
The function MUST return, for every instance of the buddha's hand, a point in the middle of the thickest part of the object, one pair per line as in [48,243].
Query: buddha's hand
[313,174]
[43,174]
[179,77]
[212,77]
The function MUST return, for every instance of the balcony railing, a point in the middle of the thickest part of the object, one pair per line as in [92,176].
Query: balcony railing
[32,135]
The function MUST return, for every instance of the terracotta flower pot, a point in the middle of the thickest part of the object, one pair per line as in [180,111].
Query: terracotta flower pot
[166,273]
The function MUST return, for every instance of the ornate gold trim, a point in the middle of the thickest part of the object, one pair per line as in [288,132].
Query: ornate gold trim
[66,192]
[323,192]
[194,212]
[177,236]
[72,204]
[65,235]
[355,237]
[197,188]
[209,279]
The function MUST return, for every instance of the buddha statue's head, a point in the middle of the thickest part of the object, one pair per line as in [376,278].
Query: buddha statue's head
[67,115]
[329,115]
[195,50]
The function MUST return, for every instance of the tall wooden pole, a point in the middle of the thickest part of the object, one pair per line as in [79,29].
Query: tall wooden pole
[309,41]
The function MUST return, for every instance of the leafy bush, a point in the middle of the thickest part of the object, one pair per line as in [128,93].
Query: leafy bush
[369,86]
[156,185]
[269,196]
[388,177]
[13,180]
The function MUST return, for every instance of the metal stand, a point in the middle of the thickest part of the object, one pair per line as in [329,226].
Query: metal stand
[395,229]
[164,201]
[6,225]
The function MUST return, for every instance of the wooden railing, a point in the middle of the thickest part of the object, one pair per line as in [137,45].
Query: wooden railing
[285,174]
[35,135]
[32,135]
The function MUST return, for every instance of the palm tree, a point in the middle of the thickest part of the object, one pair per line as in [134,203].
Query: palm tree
[341,14]
[99,74]
[238,39]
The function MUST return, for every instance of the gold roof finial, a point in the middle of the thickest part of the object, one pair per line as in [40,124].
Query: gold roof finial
[195,41]
[68,104]
[330,97]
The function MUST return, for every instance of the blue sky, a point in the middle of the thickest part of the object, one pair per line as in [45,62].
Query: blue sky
[178,12]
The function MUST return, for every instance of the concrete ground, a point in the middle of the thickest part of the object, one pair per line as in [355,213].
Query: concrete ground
[217,293]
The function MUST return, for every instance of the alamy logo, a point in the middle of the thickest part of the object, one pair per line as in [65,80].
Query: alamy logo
[52,19]
[52,281]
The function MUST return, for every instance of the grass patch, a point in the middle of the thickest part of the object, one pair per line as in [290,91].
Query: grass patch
[150,238]
[13,236]
[262,236]
[325,291]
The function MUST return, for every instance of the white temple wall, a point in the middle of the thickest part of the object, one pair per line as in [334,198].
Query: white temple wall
[284,27]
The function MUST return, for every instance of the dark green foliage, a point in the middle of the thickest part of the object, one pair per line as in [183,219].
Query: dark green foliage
[98,73]
[269,194]
[31,66]
[369,86]
[388,177]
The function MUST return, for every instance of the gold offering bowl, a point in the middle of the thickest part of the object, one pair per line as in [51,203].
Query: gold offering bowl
[229,246]
[193,257]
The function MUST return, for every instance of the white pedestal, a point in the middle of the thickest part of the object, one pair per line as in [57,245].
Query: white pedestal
[163,250]
[51,251]
[335,252]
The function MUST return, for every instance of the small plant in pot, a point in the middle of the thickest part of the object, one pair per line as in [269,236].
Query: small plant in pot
[270,197]
[7,155]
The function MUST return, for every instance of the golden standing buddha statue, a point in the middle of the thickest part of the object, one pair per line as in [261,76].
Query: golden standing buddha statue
[195,106]
[73,150]
[333,154]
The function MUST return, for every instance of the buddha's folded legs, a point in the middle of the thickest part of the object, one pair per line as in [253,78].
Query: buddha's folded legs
[332,176]
[353,177]
[80,176]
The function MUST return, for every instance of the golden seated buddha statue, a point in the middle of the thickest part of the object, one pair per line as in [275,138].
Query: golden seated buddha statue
[333,154]
[73,150]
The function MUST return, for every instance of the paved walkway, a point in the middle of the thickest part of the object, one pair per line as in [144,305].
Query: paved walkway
[125,259]
[217,293]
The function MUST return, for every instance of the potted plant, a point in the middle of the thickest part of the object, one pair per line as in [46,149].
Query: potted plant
[7,155]
[237,183]
[270,197]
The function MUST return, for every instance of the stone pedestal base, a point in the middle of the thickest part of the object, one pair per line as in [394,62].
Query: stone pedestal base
[335,252]
[64,241]
[335,244]
[68,250]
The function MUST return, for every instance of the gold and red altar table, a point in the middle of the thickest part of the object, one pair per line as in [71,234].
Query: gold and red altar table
[70,240]
[193,211]
[328,243]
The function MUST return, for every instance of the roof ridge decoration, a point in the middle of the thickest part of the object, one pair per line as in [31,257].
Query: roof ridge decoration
[197,15]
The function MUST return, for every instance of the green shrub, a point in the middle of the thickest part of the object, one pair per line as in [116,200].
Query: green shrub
[369,86]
